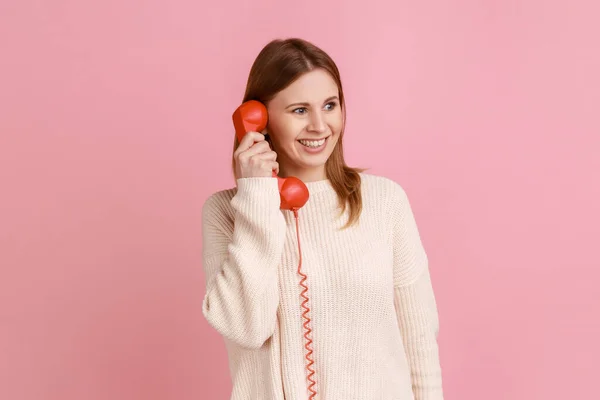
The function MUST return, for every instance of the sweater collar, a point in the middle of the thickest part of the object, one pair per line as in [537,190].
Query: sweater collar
[318,186]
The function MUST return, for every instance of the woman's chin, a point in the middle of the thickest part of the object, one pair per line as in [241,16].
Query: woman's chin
[314,161]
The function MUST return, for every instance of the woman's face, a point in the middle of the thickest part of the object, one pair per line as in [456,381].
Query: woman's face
[305,121]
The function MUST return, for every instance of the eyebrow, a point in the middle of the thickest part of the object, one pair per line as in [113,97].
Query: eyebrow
[327,100]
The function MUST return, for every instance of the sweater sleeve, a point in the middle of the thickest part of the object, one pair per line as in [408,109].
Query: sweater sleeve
[240,258]
[415,303]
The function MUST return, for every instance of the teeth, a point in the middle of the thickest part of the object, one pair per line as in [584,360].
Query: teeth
[312,143]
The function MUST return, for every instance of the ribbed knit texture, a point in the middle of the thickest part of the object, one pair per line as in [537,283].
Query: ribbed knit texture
[373,312]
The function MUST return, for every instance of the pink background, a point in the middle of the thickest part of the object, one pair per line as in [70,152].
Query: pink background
[115,127]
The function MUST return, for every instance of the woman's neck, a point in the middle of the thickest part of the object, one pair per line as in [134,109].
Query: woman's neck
[305,175]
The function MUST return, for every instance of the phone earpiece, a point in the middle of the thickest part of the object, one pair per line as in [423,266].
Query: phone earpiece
[252,116]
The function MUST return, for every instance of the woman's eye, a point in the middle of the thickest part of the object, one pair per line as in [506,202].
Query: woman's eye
[303,110]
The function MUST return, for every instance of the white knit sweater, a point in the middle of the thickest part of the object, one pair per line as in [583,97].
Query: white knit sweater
[373,313]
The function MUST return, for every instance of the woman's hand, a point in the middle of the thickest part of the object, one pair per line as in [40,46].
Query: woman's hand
[254,157]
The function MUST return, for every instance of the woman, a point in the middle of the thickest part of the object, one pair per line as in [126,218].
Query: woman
[373,318]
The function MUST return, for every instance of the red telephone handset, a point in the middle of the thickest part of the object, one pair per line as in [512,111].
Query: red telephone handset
[252,116]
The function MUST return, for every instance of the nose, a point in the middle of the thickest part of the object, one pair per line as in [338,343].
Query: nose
[317,123]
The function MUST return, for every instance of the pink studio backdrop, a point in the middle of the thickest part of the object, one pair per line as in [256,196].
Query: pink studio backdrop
[115,127]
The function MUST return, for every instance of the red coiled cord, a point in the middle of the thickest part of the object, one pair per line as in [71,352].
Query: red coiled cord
[307,329]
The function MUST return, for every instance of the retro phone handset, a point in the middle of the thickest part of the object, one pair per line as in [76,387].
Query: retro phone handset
[252,116]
